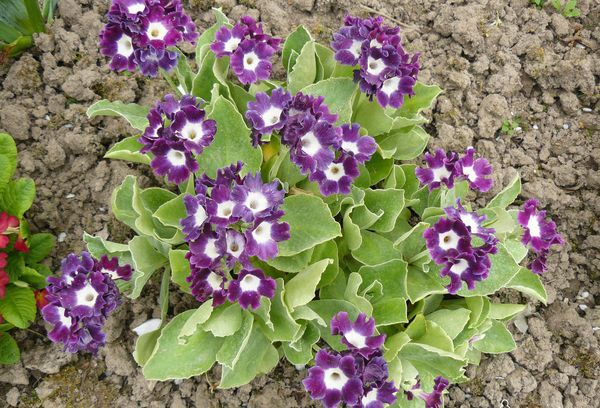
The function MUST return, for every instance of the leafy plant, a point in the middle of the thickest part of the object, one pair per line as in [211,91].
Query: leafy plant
[569,9]
[19,20]
[510,126]
[290,216]
[22,275]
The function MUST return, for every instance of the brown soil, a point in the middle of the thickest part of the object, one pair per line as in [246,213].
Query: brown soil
[495,60]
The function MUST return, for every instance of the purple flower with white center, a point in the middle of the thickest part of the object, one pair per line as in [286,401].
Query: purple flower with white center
[269,113]
[251,61]
[150,59]
[117,45]
[432,399]
[110,267]
[392,91]
[475,171]
[311,150]
[207,250]
[334,380]
[154,131]
[205,283]
[447,238]
[191,126]
[220,206]
[440,169]
[474,223]
[133,9]
[467,267]
[62,324]
[307,105]
[235,248]
[193,224]
[353,144]
[360,335]
[173,160]
[227,40]
[337,177]
[379,397]
[255,199]
[539,233]
[262,239]
[249,286]
[347,44]
[158,29]
[377,64]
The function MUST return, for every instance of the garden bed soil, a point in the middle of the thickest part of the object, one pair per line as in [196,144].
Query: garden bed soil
[495,60]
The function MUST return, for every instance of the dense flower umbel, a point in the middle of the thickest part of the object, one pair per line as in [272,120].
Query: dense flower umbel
[450,244]
[540,234]
[140,32]
[230,220]
[384,69]
[248,47]
[177,130]
[357,377]
[330,155]
[446,168]
[80,300]
[432,399]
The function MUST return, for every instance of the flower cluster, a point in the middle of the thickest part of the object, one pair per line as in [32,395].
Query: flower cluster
[80,300]
[330,155]
[432,399]
[9,225]
[177,130]
[357,377]
[445,168]
[140,32]
[540,234]
[385,69]
[450,243]
[249,48]
[230,220]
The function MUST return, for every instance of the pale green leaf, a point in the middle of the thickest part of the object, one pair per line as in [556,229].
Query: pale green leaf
[530,284]
[128,149]
[496,340]
[224,320]
[305,69]
[338,94]
[133,113]
[294,42]
[422,99]
[146,260]
[197,318]
[507,196]
[301,288]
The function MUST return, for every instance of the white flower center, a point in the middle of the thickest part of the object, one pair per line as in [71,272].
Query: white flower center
[200,216]
[113,274]
[192,131]
[231,44]
[351,147]
[356,339]
[355,48]
[156,31]
[262,233]
[250,283]
[375,43]
[440,173]
[64,319]
[256,202]
[271,116]
[335,171]
[534,226]
[470,221]
[124,46]
[449,240]
[211,249]
[390,85]
[87,296]
[310,143]
[370,397]
[235,246]
[335,379]
[459,267]
[68,279]
[251,61]
[214,281]
[470,173]
[225,209]
[136,8]
[375,66]
[176,158]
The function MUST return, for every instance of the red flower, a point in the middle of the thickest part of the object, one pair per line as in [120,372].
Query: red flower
[3,260]
[4,280]
[6,221]
[20,245]
[40,298]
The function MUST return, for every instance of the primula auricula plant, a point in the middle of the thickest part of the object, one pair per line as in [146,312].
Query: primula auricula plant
[22,273]
[292,214]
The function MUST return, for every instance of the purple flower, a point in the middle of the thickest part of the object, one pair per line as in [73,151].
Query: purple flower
[334,380]
[539,233]
[347,44]
[379,397]
[158,29]
[80,300]
[117,45]
[467,267]
[262,239]
[207,250]
[220,206]
[249,286]
[440,169]
[311,150]
[235,247]
[251,61]
[377,64]
[358,336]
[173,160]
[353,144]
[133,9]
[191,126]
[227,40]
[432,399]
[303,106]
[269,113]
[197,216]
[150,59]
[474,171]
[337,177]
[254,199]
[474,222]
[205,283]
[447,238]
[392,90]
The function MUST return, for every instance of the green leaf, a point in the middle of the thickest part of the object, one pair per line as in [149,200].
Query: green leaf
[8,159]
[224,320]
[379,168]
[234,345]
[180,268]
[421,284]
[40,246]
[197,318]
[205,79]
[326,309]
[516,249]
[404,144]
[9,351]
[390,311]
[144,346]
[18,306]
[422,99]
[530,284]
[326,58]
[496,340]
[300,352]
[292,264]
[507,196]
[352,296]
[18,197]
[433,361]
[171,360]
[372,117]
[311,223]
[98,246]
[146,260]
[375,250]
[505,311]
[305,69]
[231,143]
[390,201]
[284,327]
[133,113]
[338,94]
[294,42]
[451,321]
[122,202]
[128,149]
[208,35]
[329,250]
[301,288]
[392,276]
[171,212]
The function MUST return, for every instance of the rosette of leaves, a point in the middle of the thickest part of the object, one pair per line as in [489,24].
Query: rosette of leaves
[361,252]
[22,253]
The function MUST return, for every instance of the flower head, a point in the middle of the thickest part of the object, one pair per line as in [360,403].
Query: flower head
[358,335]
[173,160]
[110,266]
[249,286]
[475,171]
[269,113]
[8,225]
[263,236]
[206,283]
[440,169]
[353,144]
[432,399]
